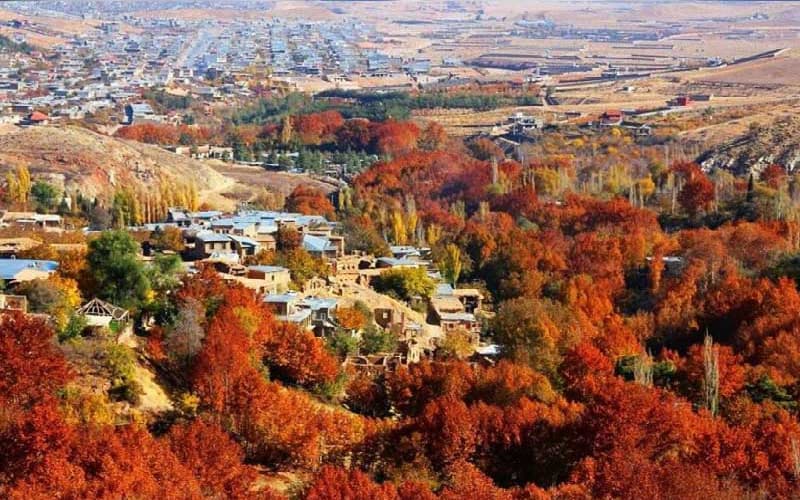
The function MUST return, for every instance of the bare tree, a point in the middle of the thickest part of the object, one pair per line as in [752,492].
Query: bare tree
[185,338]
[710,375]
[643,369]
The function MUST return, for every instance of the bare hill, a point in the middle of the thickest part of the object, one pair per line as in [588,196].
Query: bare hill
[759,147]
[96,165]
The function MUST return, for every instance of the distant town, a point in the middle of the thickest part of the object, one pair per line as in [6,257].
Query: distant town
[120,51]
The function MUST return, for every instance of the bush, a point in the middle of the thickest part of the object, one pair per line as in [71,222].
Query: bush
[73,329]
[121,362]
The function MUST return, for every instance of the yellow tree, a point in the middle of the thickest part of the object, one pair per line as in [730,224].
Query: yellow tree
[286,130]
[433,233]
[70,299]
[194,197]
[23,183]
[399,228]
[12,188]
[451,264]
[411,224]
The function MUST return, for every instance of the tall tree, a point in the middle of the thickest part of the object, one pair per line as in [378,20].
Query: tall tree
[115,270]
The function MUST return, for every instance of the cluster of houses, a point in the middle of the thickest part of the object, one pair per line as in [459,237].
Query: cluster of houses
[232,237]
[225,241]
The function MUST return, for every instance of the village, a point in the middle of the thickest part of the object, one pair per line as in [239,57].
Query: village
[230,244]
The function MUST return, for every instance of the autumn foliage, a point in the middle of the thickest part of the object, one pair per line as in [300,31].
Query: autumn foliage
[309,201]
[645,349]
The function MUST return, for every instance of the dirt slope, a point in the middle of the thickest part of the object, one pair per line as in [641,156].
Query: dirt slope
[96,165]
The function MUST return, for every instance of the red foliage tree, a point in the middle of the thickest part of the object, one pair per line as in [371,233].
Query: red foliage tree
[310,201]
[393,138]
[317,128]
[151,133]
[332,483]
[298,356]
[433,137]
[214,459]
[774,176]
[31,367]
[449,430]
[697,192]
[355,134]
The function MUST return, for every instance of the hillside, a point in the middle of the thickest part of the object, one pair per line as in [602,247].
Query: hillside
[758,148]
[94,164]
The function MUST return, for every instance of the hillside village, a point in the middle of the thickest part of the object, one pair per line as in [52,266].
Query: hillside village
[231,243]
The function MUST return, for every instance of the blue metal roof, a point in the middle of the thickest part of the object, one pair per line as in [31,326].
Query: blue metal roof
[10,268]
[443,289]
[223,222]
[296,317]
[317,303]
[206,214]
[391,261]
[313,243]
[244,240]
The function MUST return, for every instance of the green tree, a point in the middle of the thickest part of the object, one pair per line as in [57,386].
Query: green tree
[124,209]
[405,283]
[116,273]
[301,265]
[343,343]
[375,339]
[45,195]
[73,329]
[163,274]
[120,360]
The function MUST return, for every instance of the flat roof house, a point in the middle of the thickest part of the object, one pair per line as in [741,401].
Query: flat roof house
[320,246]
[448,310]
[275,279]
[207,243]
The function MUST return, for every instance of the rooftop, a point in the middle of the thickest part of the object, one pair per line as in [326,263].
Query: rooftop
[268,269]
[10,268]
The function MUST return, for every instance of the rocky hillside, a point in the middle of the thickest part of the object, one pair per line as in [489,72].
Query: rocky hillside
[96,165]
[758,148]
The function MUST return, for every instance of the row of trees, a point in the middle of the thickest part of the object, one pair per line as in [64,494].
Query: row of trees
[324,131]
